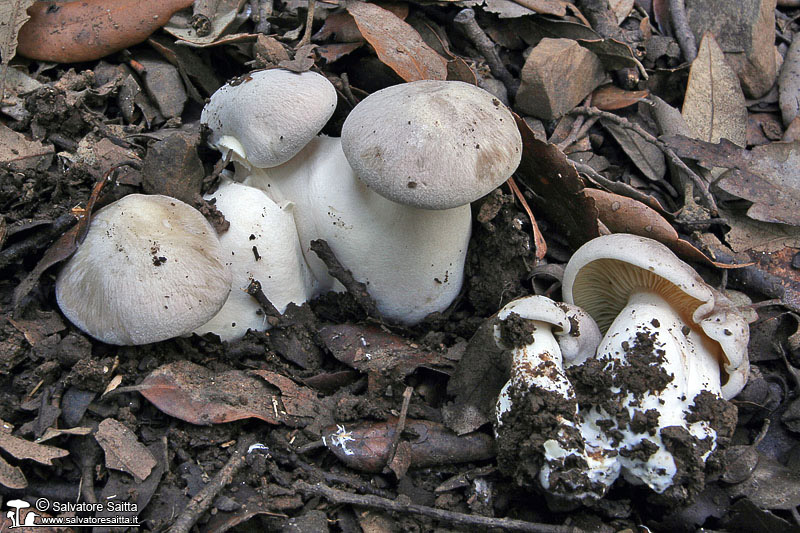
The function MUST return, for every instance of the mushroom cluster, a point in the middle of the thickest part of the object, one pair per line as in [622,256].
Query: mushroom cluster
[391,198]
[650,403]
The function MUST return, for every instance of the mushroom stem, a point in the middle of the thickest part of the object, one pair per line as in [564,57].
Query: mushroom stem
[650,340]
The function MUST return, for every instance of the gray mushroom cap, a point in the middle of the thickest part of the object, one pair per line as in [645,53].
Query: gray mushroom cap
[432,144]
[149,269]
[265,118]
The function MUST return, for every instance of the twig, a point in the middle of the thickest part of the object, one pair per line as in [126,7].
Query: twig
[376,502]
[254,290]
[538,239]
[677,161]
[400,427]
[312,4]
[347,90]
[576,126]
[683,33]
[357,289]
[465,20]
[203,499]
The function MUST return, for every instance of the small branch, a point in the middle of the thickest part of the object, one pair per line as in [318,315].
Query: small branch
[701,185]
[376,502]
[538,239]
[254,290]
[202,500]
[465,20]
[683,33]
[401,426]
[312,4]
[357,289]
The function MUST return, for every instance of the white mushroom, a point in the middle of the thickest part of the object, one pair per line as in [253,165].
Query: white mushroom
[674,350]
[410,257]
[261,244]
[432,144]
[538,428]
[264,118]
[150,268]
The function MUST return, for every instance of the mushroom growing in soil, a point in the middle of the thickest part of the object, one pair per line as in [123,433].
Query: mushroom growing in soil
[674,352]
[455,142]
[150,268]
[261,244]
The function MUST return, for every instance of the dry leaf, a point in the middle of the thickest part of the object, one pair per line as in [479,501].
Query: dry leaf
[611,97]
[789,82]
[519,8]
[13,14]
[215,15]
[85,30]
[24,449]
[16,150]
[748,235]
[714,105]
[621,9]
[397,44]
[197,395]
[556,184]
[123,450]
[645,155]
[11,476]
[767,175]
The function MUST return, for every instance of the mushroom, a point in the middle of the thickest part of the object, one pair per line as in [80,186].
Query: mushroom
[261,244]
[674,351]
[432,144]
[150,268]
[265,118]
[540,438]
[408,250]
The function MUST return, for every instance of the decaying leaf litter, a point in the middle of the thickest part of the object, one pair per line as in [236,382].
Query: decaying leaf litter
[621,134]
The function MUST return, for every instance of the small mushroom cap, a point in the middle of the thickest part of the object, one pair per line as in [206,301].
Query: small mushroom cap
[604,272]
[149,269]
[583,338]
[432,144]
[534,307]
[267,117]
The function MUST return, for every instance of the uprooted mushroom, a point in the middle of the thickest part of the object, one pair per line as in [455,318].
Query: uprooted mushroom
[674,352]
[648,401]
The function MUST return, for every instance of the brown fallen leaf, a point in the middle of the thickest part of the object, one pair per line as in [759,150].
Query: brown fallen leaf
[335,51]
[766,175]
[397,44]
[383,356]
[19,152]
[556,184]
[123,450]
[621,214]
[200,396]
[24,449]
[342,26]
[367,446]
[771,485]
[13,16]
[714,105]
[611,97]
[206,24]
[85,30]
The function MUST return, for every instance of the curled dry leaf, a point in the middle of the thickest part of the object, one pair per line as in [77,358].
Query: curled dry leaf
[789,82]
[621,214]
[85,30]
[556,184]
[197,395]
[397,44]
[367,446]
[714,105]
[123,450]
